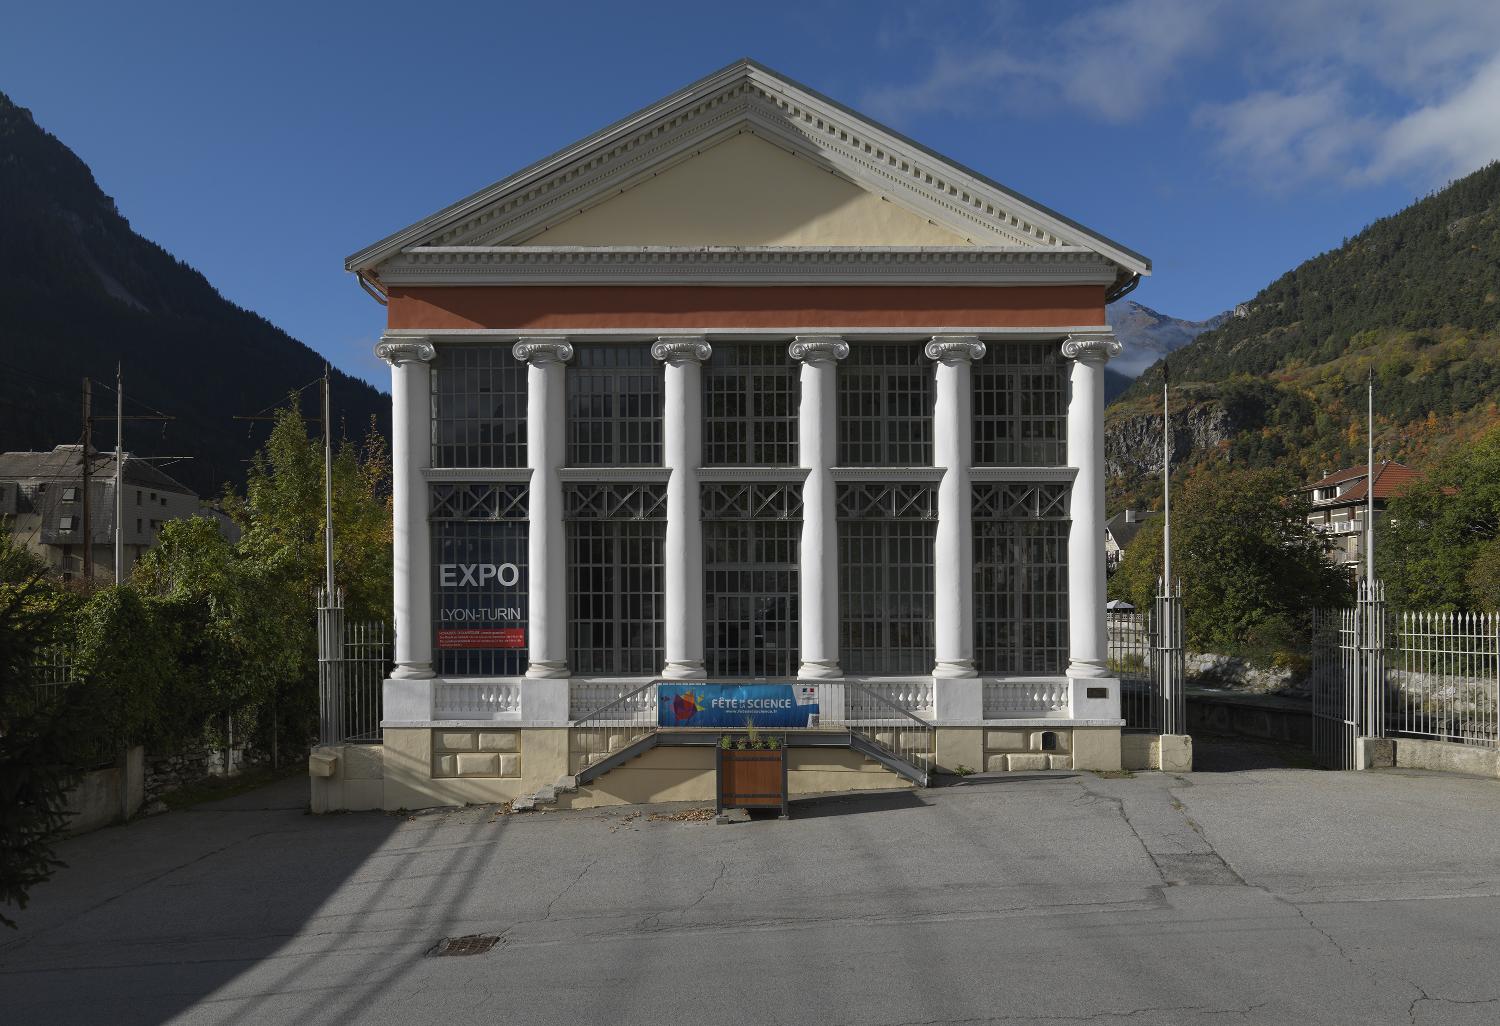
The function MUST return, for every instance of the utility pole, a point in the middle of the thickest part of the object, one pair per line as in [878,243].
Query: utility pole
[327,488]
[88,444]
[119,475]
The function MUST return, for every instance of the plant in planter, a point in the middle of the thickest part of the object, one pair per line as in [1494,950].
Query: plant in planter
[752,770]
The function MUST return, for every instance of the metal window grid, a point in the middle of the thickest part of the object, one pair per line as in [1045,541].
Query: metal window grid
[478,408]
[477,522]
[885,406]
[750,397]
[886,579]
[751,559]
[615,405]
[616,533]
[1020,577]
[1020,406]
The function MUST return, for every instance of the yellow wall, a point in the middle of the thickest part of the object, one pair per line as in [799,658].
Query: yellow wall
[746,191]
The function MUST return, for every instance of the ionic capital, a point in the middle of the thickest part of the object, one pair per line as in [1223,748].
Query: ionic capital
[682,349]
[818,348]
[406,350]
[1093,347]
[955,348]
[542,350]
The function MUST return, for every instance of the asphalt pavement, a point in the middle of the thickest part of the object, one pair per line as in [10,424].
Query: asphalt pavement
[1256,895]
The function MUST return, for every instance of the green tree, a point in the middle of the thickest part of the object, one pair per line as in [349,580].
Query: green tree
[1252,570]
[1440,548]
[38,731]
[246,609]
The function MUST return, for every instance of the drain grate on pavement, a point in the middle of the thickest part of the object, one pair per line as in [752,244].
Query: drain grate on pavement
[473,944]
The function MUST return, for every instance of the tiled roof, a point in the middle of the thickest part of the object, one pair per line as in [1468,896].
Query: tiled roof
[1391,479]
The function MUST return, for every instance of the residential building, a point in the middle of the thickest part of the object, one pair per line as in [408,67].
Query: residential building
[1340,501]
[1119,531]
[744,387]
[41,499]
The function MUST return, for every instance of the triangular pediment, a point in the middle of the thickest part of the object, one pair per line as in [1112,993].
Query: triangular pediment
[745,158]
[745,191]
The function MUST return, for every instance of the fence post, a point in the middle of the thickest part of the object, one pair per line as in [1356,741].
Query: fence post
[330,667]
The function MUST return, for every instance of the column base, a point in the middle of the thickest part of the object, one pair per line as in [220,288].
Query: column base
[406,699]
[1088,668]
[1093,698]
[684,669]
[413,671]
[820,669]
[954,668]
[547,669]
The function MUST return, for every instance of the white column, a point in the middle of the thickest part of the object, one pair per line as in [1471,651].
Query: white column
[817,446]
[546,437]
[1087,642]
[411,453]
[952,449]
[682,451]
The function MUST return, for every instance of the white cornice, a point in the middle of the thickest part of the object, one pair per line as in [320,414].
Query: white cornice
[854,335]
[752,265]
[747,97]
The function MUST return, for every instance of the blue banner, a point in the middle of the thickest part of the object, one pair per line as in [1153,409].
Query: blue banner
[736,705]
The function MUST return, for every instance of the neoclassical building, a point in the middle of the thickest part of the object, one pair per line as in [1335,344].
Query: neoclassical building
[743,387]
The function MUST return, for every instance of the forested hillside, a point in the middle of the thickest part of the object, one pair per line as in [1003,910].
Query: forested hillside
[79,290]
[1413,299]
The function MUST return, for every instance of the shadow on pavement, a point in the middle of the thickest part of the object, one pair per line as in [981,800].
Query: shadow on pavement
[1218,754]
[120,934]
[854,803]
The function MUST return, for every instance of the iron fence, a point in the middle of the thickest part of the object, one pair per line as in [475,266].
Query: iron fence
[1444,677]
[1349,676]
[353,662]
[1146,654]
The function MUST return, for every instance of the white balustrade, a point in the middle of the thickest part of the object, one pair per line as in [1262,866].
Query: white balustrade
[1016,699]
[476,701]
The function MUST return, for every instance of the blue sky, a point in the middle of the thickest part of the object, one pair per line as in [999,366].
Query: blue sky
[263,143]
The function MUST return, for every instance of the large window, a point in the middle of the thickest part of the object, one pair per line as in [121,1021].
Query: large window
[614,407]
[750,406]
[885,406]
[751,534]
[886,535]
[1020,577]
[479,579]
[1021,406]
[478,408]
[615,538]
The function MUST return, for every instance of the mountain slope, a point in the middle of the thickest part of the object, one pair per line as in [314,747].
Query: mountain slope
[1414,299]
[80,290]
[1148,335]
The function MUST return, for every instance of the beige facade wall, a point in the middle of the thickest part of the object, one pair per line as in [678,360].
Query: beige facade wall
[746,191]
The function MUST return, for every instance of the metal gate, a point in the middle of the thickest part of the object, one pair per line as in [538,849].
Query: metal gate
[1145,652]
[353,661]
[1348,676]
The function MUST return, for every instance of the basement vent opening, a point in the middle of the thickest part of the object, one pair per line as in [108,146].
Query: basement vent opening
[1049,741]
[473,944]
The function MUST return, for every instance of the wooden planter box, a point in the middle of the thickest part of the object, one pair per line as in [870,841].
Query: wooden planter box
[751,779]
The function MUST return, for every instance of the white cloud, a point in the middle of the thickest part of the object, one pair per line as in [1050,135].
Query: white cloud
[1353,91]
[1453,136]
[1111,62]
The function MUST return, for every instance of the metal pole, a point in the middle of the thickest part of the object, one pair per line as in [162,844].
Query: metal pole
[88,443]
[1370,485]
[1166,481]
[327,487]
[119,475]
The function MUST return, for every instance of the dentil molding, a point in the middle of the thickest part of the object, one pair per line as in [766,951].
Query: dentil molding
[542,350]
[682,350]
[813,348]
[955,348]
[1095,346]
[396,353]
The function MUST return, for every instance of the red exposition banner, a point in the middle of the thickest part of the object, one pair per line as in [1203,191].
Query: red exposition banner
[481,637]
